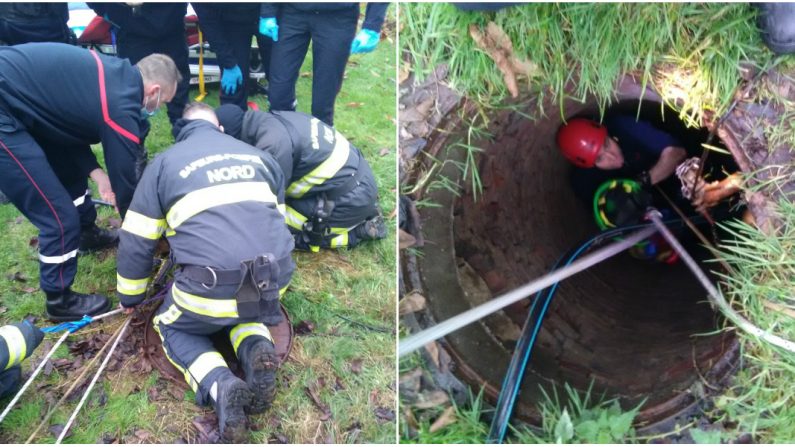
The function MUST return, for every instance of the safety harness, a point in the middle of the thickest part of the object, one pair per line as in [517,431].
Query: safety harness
[317,227]
[257,281]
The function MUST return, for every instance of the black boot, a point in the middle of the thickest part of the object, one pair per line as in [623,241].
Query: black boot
[232,395]
[70,306]
[258,358]
[371,229]
[94,238]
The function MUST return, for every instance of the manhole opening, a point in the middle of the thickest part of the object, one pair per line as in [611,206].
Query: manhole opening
[636,329]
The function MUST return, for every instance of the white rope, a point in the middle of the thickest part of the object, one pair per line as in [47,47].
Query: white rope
[44,362]
[715,295]
[93,381]
[416,341]
[32,376]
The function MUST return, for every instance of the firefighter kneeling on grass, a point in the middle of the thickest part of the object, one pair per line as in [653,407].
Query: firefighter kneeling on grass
[332,197]
[219,202]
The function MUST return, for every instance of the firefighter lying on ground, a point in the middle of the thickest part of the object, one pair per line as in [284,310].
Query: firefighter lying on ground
[219,202]
[332,197]
[17,342]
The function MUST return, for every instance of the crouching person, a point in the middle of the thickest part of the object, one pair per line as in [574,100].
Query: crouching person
[332,197]
[219,202]
[17,342]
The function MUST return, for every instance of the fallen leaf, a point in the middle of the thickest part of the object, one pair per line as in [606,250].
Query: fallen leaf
[433,352]
[306,74]
[410,382]
[499,47]
[315,398]
[353,432]
[375,73]
[406,239]
[48,367]
[56,430]
[17,276]
[33,242]
[354,105]
[207,426]
[446,418]
[384,151]
[431,399]
[143,435]
[338,385]
[418,112]
[356,366]
[114,223]
[384,414]
[108,438]
[153,394]
[278,438]
[411,303]
[30,289]
[304,327]
[405,72]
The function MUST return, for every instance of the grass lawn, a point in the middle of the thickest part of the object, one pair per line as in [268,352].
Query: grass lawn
[351,367]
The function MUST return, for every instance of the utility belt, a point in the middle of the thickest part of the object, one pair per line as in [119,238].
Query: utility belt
[317,227]
[257,281]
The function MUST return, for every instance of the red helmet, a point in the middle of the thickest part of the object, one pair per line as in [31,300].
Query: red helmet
[580,141]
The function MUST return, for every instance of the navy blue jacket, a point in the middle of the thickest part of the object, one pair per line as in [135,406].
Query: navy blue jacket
[54,91]
[150,20]
[373,16]
[214,18]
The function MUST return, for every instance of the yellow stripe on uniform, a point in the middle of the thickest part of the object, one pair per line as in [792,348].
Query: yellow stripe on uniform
[202,366]
[130,287]
[143,226]
[245,330]
[211,307]
[203,199]
[15,341]
[326,170]
[339,241]
[169,316]
[294,219]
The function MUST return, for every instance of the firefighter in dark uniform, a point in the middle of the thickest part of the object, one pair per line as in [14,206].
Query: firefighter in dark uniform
[55,101]
[17,342]
[220,203]
[332,29]
[229,28]
[332,197]
[151,28]
[34,22]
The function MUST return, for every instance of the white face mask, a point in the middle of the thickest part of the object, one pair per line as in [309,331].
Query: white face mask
[145,112]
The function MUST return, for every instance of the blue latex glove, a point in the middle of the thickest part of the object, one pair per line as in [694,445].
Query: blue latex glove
[269,28]
[365,41]
[231,78]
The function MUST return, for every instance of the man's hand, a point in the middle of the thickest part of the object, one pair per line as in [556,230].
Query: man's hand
[103,185]
[269,28]
[666,165]
[127,310]
[365,41]
[231,79]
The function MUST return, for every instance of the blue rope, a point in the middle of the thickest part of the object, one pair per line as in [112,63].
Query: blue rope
[71,326]
[74,326]
[512,381]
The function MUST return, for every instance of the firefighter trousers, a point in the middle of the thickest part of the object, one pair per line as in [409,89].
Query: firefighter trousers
[187,344]
[50,190]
